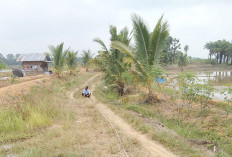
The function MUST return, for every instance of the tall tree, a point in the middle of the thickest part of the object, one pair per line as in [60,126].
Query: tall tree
[148,46]
[58,57]
[86,58]
[170,52]
[211,47]
[221,49]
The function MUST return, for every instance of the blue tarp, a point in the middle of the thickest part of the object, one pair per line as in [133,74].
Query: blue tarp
[160,80]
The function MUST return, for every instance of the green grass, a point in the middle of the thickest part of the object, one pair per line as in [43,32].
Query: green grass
[186,131]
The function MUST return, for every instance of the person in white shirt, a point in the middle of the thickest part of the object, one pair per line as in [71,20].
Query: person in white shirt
[86,92]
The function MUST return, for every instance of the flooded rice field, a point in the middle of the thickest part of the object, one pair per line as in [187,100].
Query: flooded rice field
[219,79]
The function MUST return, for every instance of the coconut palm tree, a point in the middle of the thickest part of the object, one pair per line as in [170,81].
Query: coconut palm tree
[111,61]
[58,57]
[86,58]
[211,47]
[148,46]
[71,60]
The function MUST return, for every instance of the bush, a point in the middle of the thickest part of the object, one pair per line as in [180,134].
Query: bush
[212,61]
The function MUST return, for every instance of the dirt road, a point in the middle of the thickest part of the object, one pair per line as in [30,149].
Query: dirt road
[87,128]
[153,147]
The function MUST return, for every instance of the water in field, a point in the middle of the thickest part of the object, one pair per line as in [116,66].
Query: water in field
[219,79]
[4,78]
[6,70]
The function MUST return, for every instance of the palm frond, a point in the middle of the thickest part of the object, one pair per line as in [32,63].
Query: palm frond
[157,40]
[113,33]
[98,40]
[141,37]
[126,50]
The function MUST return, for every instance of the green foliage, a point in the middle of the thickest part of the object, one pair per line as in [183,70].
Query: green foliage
[193,90]
[170,52]
[228,99]
[72,60]
[86,58]
[12,79]
[182,60]
[58,57]
[186,48]
[146,53]
[2,66]
[221,50]
[113,63]
[211,61]
[10,59]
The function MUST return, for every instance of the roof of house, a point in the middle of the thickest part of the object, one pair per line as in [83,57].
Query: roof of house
[34,57]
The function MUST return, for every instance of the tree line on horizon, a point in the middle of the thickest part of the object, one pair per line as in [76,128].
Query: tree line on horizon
[9,60]
[220,51]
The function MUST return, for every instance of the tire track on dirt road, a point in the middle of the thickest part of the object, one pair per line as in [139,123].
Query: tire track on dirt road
[155,149]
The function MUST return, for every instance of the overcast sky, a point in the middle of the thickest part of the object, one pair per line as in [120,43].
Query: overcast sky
[29,26]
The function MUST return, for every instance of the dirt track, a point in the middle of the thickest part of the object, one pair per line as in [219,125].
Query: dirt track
[153,147]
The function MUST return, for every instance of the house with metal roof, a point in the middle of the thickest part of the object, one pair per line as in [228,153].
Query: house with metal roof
[35,62]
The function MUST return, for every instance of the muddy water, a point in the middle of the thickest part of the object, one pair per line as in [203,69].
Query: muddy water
[6,70]
[4,78]
[219,79]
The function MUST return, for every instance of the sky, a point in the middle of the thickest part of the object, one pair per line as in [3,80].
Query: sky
[30,26]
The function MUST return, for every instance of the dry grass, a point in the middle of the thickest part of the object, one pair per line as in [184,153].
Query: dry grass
[81,131]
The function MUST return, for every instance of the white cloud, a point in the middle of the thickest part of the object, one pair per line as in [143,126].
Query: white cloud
[32,25]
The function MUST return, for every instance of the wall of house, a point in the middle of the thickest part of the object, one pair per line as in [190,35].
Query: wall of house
[34,67]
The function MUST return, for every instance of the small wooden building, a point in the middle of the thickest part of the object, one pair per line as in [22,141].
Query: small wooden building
[34,63]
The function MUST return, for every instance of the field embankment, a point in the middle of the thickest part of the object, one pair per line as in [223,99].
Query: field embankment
[186,131]
[20,87]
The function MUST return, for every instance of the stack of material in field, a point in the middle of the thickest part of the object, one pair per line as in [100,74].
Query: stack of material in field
[19,72]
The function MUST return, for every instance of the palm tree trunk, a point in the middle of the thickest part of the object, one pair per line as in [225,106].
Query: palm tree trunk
[149,88]
[227,59]
[217,58]
[220,57]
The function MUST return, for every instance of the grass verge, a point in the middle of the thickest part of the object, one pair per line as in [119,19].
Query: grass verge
[184,138]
